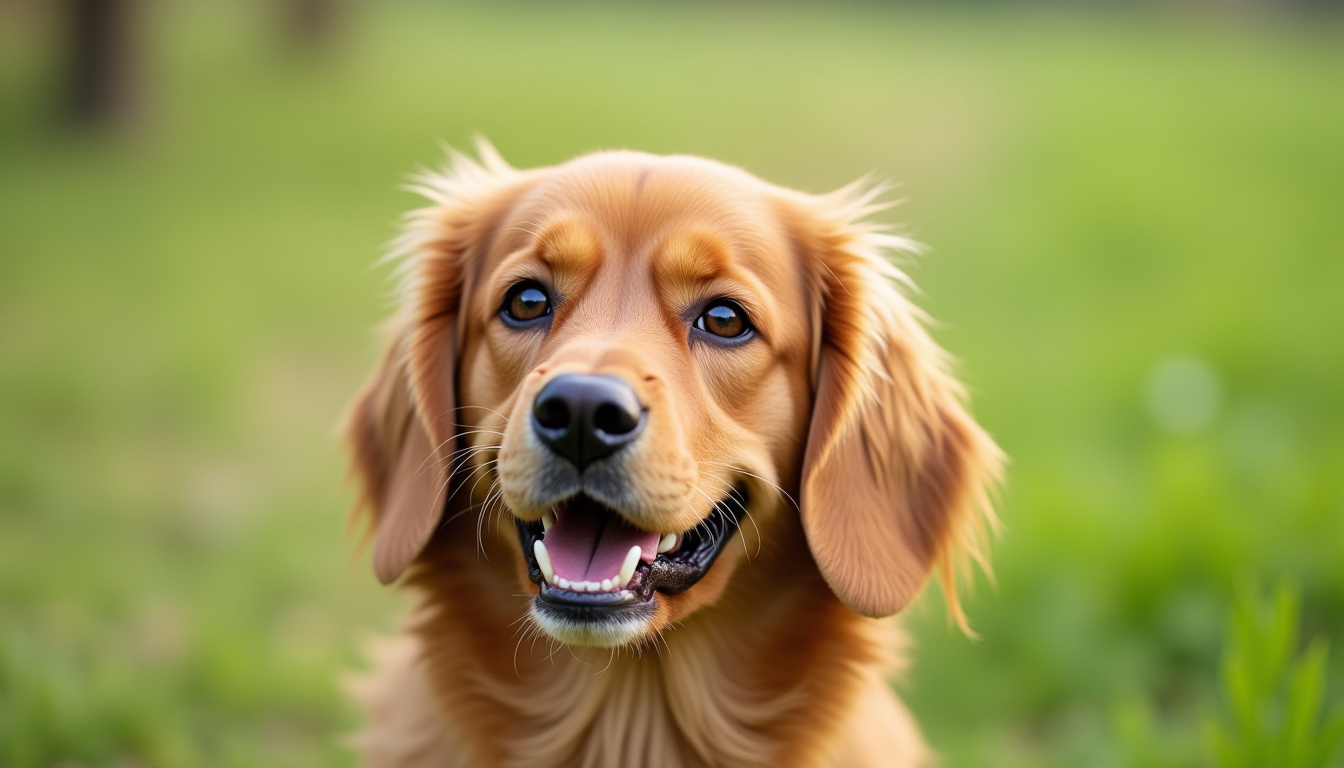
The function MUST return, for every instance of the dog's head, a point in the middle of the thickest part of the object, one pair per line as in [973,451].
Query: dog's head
[636,360]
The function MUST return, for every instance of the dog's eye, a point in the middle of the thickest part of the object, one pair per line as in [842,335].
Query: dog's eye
[526,301]
[724,319]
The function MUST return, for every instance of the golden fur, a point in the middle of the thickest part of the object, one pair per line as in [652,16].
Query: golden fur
[865,472]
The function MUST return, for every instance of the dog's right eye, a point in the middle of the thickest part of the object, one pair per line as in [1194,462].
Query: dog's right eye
[525,302]
[724,319]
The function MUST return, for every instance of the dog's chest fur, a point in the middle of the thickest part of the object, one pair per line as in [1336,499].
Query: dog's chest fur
[746,684]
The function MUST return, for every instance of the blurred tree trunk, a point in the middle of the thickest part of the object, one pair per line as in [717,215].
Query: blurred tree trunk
[99,58]
[311,24]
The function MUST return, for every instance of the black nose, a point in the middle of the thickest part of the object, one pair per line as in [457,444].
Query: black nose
[586,418]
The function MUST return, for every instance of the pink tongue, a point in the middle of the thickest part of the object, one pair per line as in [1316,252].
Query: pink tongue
[588,543]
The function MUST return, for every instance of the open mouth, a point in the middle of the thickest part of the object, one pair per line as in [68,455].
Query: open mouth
[588,561]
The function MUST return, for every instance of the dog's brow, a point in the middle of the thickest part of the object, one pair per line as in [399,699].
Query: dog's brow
[570,248]
[691,259]
[694,266]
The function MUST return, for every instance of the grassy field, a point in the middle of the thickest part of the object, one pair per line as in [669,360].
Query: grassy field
[1137,231]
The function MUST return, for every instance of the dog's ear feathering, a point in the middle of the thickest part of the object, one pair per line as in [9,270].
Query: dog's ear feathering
[402,426]
[896,475]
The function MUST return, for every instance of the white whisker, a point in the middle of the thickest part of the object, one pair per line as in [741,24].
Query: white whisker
[482,408]
[733,497]
[738,469]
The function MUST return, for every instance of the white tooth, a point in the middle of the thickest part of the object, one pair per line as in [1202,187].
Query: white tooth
[564,583]
[588,586]
[543,561]
[666,543]
[606,585]
[547,520]
[628,567]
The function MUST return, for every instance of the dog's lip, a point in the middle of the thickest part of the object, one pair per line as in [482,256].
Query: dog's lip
[668,573]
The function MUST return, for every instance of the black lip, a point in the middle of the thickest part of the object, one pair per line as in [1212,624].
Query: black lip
[668,574]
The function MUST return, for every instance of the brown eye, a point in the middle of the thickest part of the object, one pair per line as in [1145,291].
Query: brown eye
[724,319]
[525,302]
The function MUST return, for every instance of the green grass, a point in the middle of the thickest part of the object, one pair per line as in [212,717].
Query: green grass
[1273,700]
[185,309]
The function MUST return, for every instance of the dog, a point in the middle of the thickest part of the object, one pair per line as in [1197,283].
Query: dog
[655,444]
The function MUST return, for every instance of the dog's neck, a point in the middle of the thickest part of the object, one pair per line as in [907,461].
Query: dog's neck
[758,679]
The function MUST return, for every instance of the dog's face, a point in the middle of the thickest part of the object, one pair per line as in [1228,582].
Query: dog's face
[639,361]
[639,337]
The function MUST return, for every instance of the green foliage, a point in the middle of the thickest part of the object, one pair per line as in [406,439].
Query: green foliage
[1274,696]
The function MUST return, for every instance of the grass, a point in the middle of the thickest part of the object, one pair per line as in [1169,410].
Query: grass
[184,310]
[1274,701]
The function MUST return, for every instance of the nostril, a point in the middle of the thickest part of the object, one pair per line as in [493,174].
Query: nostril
[586,418]
[552,413]
[614,420]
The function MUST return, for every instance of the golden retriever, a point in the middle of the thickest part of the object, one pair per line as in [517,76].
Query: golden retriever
[656,444]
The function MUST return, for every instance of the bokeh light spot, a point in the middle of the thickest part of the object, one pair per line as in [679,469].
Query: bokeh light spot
[1183,394]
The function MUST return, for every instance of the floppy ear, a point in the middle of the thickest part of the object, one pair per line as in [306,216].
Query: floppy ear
[894,468]
[402,426]
[395,460]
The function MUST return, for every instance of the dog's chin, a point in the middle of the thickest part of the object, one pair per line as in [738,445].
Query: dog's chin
[585,626]
[599,579]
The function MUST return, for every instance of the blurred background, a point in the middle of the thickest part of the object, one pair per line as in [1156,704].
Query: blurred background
[1136,219]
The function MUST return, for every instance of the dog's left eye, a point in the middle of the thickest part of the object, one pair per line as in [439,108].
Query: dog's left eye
[525,302]
[724,319]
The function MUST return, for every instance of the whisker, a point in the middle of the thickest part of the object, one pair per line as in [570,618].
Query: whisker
[734,498]
[468,452]
[480,407]
[463,465]
[480,519]
[432,452]
[610,658]
[570,648]
[464,449]
[735,468]
[436,449]
[527,631]
[712,504]
[473,487]
[737,521]
[468,508]
[480,542]
[500,510]
[524,230]
[467,428]
[439,492]
[498,497]
[471,449]
[659,637]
